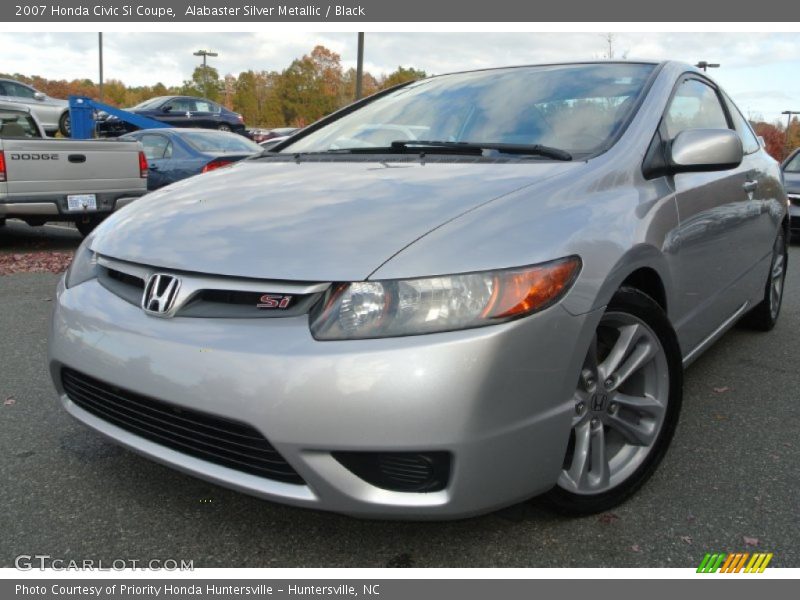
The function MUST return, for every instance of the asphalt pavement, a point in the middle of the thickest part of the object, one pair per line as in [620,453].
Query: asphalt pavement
[730,482]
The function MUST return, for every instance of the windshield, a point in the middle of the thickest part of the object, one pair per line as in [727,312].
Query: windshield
[577,108]
[152,103]
[793,166]
[220,142]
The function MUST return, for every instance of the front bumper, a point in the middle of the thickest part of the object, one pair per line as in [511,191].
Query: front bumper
[54,206]
[497,398]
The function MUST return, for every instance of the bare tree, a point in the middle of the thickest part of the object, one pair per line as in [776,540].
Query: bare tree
[610,40]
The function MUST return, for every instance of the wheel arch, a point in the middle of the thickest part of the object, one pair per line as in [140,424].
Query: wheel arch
[644,268]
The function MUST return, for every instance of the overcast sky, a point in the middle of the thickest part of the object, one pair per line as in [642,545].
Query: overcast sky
[760,71]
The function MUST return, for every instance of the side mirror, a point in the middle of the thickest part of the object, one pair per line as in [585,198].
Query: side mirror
[705,150]
[167,108]
[39,96]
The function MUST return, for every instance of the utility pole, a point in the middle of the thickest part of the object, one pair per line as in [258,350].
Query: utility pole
[100,48]
[360,65]
[205,54]
[789,114]
[706,65]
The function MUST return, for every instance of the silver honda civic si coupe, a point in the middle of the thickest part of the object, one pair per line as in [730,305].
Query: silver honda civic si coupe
[449,297]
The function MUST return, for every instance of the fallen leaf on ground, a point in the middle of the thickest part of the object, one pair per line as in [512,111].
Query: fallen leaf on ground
[686,538]
[10,401]
[34,262]
[636,548]
[607,518]
[750,541]
[721,390]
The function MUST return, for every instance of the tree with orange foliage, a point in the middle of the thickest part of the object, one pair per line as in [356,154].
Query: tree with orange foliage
[774,138]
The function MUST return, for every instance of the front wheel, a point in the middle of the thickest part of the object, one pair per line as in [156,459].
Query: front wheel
[626,405]
[64,125]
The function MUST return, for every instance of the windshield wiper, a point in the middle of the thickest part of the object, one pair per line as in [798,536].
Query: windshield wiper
[530,149]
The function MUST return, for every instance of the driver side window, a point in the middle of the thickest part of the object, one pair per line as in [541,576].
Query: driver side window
[694,106]
[20,91]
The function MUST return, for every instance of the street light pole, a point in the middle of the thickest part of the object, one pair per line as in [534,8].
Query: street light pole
[205,54]
[100,48]
[706,65]
[789,114]
[360,65]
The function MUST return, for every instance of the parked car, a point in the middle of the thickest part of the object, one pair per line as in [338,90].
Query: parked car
[52,113]
[497,304]
[178,111]
[175,154]
[791,176]
[82,181]
[262,135]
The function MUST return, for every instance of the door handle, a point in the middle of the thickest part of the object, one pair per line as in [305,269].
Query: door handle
[750,186]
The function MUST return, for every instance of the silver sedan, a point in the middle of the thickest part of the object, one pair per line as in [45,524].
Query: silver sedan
[450,297]
[53,113]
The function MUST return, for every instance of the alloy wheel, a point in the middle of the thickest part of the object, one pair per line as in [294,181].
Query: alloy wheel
[620,405]
[777,276]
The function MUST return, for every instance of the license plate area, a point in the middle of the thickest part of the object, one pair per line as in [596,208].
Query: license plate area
[81,202]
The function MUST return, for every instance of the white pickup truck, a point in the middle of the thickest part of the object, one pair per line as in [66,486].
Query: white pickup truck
[44,179]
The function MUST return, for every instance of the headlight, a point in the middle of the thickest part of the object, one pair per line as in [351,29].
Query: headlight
[83,266]
[391,308]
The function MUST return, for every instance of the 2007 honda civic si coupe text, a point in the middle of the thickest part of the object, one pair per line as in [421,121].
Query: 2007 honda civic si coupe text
[452,296]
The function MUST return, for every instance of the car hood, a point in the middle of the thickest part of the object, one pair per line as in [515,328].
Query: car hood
[792,182]
[305,221]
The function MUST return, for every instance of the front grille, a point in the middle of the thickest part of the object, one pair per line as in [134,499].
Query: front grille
[214,303]
[127,279]
[214,439]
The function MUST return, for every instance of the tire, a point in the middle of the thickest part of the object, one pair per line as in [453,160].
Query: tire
[764,315]
[86,227]
[643,402]
[64,125]
[224,127]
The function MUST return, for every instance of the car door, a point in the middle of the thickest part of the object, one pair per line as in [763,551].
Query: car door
[12,92]
[178,112]
[711,249]
[764,211]
[158,150]
[204,115]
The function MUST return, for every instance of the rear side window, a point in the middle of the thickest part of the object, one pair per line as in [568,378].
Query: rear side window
[15,124]
[793,166]
[749,140]
[182,105]
[156,146]
[695,105]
